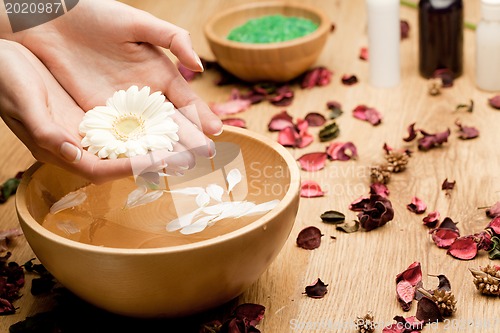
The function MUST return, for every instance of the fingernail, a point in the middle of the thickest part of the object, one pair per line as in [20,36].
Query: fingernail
[211,150]
[198,61]
[219,132]
[70,152]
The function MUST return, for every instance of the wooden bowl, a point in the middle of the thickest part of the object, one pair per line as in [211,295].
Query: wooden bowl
[277,62]
[170,281]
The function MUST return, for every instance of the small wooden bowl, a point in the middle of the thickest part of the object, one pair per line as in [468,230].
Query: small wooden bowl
[170,281]
[277,62]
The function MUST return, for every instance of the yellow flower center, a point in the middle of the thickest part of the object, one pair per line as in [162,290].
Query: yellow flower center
[128,127]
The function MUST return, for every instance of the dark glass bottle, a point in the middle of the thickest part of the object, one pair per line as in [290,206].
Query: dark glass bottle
[440,36]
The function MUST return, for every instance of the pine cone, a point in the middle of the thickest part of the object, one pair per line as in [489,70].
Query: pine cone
[435,86]
[381,174]
[446,302]
[487,280]
[397,160]
[365,324]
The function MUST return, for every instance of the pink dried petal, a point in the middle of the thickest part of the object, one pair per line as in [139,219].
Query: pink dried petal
[380,189]
[363,53]
[237,122]
[494,210]
[466,132]
[250,313]
[333,105]
[318,76]
[412,133]
[448,185]
[368,114]
[288,137]
[340,151]
[495,102]
[416,206]
[280,121]
[309,238]
[405,29]
[394,328]
[483,240]
[412,274]
[349,79]
[315,119]
[317,289]
[230,107]
[495,225]
[310,189]
[445,75]
[305,140]
[302,125]
[444,237]
[405,292]
[359,204]
[449,224]
[464,248]
[284,96]
[430,141]
[432,219]
[312,161]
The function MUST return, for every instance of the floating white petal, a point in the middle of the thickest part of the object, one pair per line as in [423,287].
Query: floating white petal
[197,226]
[233,178]
[144,199]
[215,192]
[70,200]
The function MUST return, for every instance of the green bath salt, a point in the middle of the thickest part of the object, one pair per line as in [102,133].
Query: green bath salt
[272,29]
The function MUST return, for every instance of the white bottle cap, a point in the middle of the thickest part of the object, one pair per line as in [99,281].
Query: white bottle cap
[490,9]
[441,3]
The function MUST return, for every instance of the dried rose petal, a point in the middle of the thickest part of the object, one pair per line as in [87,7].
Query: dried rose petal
[380,189]
[412,274]
[310,189]
[376,212]
[250,313]
[304,138]
[315,119]
[284,96]
[445,75]
[394,328]
[237,122]
[309,238]
[363,53]
[448,185]
[405,28]
[318,76]
[444,238]
[6,236]
[494,225]
[359,204]
[336,109]
[11,281]
[230,107]
[406,283]
[495,102]
[483,240]
[432,140]
[342,151]
[280,121]
[368,114]
[494,210]
[348,227]
[349,79]
[412,133]
[312,161]
[432,219]
[428,311]
[464,248]
[317,289]
[466,132]
[416,206]
[411,324]
[288,137]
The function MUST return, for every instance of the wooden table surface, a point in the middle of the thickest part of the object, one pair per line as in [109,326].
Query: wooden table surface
[360,268]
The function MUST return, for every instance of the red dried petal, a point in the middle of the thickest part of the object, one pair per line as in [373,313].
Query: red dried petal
[349,79]
[318,76]
[412,274]
[376,213]
[310,189]
[444,238]
[250,313]
[312,161]
[448,224]
[363,54]
[342,151]
[495,102]
[394,328]
[483,241]
[428,311]
[495,225]
[368,114]
[494,210]
[405,29]
[416,206]
[236,122]
[333,105]
[412,133]
[432,219]
[288,137]
[430,141]
[315,119]
[309,238]
[230,107]
[284,96]
[317,289]
[380,189]
[405,292]
[359,204]
[466,132]
[464,248]
[280,121]
[304,138]
[445,75]
[448,185]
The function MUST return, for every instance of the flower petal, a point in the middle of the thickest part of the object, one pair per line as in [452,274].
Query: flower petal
[70,200]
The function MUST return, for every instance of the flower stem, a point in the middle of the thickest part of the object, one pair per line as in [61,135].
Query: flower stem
[414,5]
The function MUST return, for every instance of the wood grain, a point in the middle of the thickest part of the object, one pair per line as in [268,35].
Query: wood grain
[360,268]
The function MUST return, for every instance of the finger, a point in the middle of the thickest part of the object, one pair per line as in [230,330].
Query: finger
[192,138]
[155,31]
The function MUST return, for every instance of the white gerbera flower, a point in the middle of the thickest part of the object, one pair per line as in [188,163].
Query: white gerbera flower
[132,123]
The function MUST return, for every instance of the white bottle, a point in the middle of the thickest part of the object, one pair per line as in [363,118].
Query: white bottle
[384,34]
[488,46]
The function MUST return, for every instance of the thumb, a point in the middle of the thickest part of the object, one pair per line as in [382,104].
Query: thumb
[155,31]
